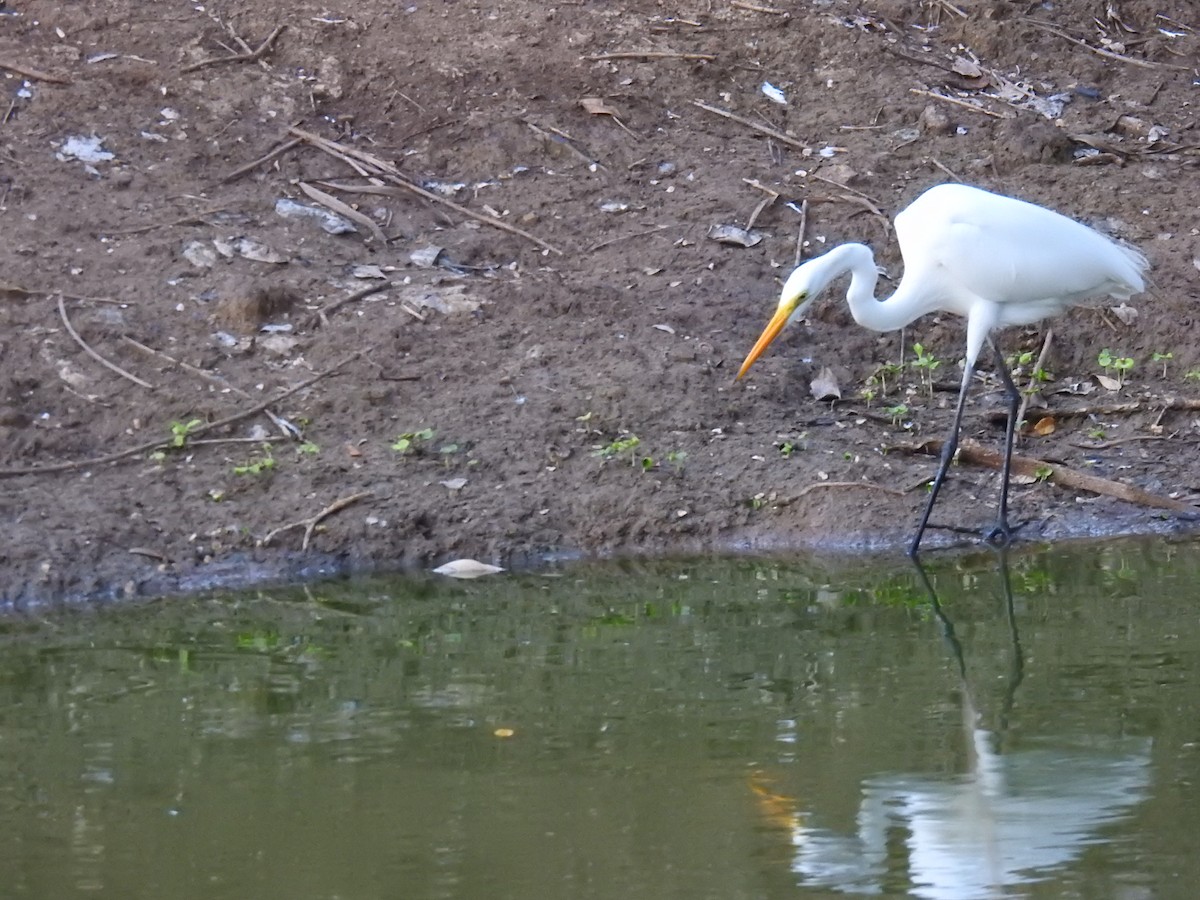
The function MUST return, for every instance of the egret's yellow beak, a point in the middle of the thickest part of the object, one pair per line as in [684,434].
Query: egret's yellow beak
[769,334]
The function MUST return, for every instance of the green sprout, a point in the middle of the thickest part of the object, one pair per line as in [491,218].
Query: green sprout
[676,459]
[308,448]
[883,373]
[897,412]
[265,463]
[1119,364]
[1163,358]
[926,362]
[181,430]
[411,441]
[619,446]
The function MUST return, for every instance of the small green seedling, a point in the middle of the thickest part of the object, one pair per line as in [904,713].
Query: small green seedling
[619,446]
[1193,375]
[1163,358]
[1043,473]
[181,430]
[884,372]
[786,449]
[897,412]
[867,391]
[1119,364]
[411,441]
[676,458]
[308,448]
[926,362]
[265,463]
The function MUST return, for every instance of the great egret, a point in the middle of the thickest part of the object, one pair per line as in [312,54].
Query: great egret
[994,260]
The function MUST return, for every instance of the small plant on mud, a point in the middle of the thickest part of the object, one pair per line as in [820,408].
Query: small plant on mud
[676,459]
[1163,358]
[883,373]
[264,463]
[180,432]
[627,444]
[897,412]
[412,441]
[927,363]
[1119,364]
[308,448]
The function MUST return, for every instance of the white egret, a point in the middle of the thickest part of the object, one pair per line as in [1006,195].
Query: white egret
[994,260]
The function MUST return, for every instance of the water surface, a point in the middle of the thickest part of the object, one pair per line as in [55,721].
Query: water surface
[724,729]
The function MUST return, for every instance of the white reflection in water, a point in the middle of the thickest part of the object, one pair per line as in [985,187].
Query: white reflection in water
[1016,818]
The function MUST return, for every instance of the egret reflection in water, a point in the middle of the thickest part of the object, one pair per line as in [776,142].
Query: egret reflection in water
[1010,818]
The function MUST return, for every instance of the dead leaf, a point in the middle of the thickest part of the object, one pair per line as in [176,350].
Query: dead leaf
[967,67]
[825,386]
[1109,384]
[1127,314]
[1044,426]
[732,234]
[466,568]
[598,107]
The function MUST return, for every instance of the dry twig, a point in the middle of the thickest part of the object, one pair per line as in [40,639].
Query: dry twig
[310,524]
[966,104]
[266,157]
[249,56]
[287,428]
[1101,51]
[648,54]
[321,316]
[761,129]
[868,485]
[364,162]
[159,444]
[112,367]
[29,72]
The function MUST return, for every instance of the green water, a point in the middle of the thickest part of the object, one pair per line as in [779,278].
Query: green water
[716,729]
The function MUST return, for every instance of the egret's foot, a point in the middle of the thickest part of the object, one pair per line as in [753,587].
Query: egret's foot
[1001,534]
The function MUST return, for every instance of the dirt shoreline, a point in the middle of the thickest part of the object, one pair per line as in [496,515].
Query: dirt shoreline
[534,334]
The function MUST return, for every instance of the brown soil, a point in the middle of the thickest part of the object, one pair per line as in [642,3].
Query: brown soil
[635,328]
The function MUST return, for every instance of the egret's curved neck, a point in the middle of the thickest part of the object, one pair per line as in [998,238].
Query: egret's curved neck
[878,315]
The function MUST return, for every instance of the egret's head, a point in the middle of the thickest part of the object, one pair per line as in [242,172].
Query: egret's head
[798,292]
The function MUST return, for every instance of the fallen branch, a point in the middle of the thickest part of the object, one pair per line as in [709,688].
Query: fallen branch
[266,157]
[159,444]
[393,175]
[1101,51]
[112,367]
[287,428]
[30,72]
[626,237]
[971,452]
[321,316]
[199,218]
[761,129]
[251,56]
[310,524]
[648,54]
[966,104]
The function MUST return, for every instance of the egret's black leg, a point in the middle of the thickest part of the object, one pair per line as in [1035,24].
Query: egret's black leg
[948,450]
[1001,533]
